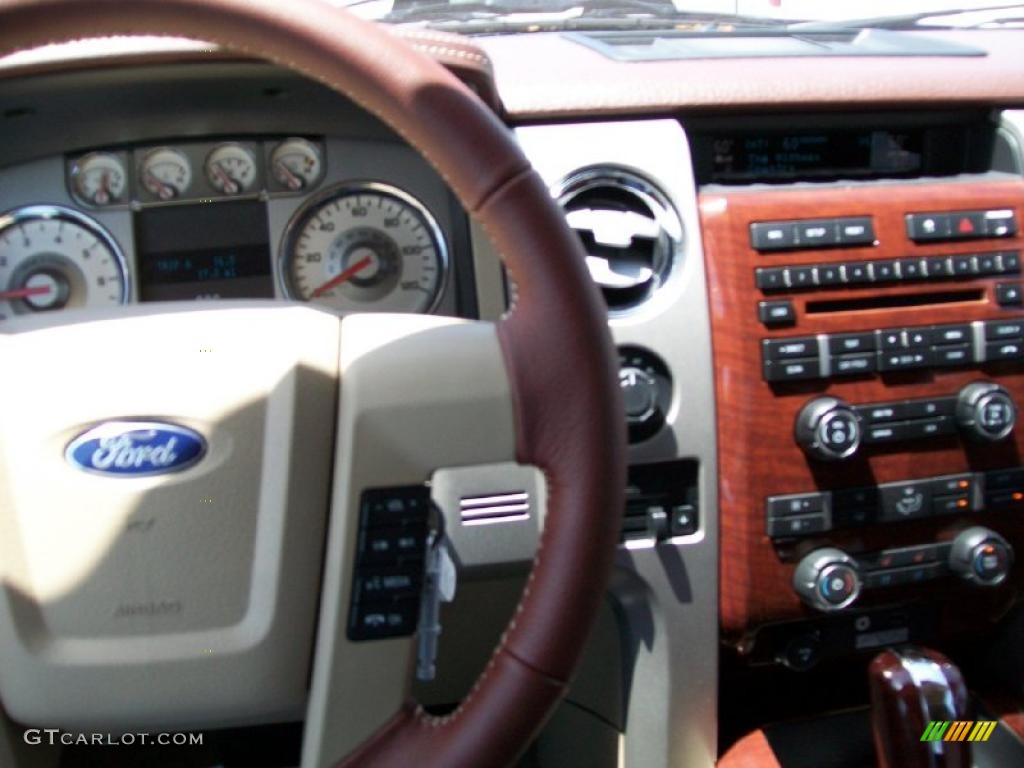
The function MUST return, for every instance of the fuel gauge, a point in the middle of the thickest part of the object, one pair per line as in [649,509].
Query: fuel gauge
[296,164]
[165,173]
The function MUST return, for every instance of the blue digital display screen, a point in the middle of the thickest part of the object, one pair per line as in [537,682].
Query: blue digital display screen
[215,250]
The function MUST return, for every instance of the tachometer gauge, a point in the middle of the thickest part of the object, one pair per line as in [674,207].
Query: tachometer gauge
[231,168]
[365,248]
[296,164]
[166,173]
[99,178]
[52,258]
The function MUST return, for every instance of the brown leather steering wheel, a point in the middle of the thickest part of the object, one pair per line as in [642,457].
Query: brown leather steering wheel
[555,341]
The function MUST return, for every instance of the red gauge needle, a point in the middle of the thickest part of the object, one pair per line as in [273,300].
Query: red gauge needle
[22,293]
[345,275]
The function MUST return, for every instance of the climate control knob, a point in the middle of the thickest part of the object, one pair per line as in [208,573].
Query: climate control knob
[827,579]
[986,411]
[829,429]
[981,556]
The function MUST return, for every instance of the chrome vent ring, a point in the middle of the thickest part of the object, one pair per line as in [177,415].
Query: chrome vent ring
[630,231]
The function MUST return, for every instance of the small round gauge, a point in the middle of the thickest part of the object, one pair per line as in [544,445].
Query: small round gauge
[296,164]
[231,168]
[99,178]
[54,258]
[365,248]
[165,172]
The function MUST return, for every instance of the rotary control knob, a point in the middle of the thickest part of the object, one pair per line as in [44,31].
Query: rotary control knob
[829,429]
[827,579]
[981,556]
[646,391]
[986,411]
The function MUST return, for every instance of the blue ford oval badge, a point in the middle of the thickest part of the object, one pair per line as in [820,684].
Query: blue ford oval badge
[136,448]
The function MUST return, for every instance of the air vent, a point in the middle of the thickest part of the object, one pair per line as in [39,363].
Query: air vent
[494,508]
[630,232]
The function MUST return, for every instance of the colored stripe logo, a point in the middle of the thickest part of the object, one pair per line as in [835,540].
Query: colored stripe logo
[959,730]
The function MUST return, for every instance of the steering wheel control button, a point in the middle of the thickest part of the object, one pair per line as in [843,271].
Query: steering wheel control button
[646,391]
[389,562]
[981,557]
[985,411]
[828,429]
[827,579]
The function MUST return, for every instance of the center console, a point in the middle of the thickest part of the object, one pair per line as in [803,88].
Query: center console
[868,333]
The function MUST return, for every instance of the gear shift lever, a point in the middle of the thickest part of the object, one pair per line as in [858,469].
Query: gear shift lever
[910,688]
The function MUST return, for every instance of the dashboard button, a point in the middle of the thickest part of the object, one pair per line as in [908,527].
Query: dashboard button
[960,354]
[1004,350]
[882,412]
[1004,479]
[785,349]
[888,432]
[954,484]
[935,427]
[1009,295]
[373,621]
[884,271]
[776,313]
[816,233]
[796,526]
[1004,329]
[829,274]
[387,584]
[1000,223]
[912,269]
[966,224]
[856,273]
[962,265]
[988,263]
[795,504]
[846,343]
[951,505]
[773,235]
[922,409]
[904,361]
[1009,262]
[858,230]
[800,277]
[890,338]
[938,267]
[905,501]
[951,334]
[791,370]
[917,337]
[770,278]
[850,365]
[927,226]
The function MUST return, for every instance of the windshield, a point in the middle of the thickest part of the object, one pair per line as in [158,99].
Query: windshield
[483,16]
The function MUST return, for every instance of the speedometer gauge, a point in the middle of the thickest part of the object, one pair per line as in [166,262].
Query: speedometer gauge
[365,248]
[52,258]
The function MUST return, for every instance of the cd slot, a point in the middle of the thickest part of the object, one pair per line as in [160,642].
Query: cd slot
[861,303]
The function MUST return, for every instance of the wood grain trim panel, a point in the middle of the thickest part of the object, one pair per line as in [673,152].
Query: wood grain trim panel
[757,453]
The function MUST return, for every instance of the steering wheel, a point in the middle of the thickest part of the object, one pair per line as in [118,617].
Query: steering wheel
[538,387]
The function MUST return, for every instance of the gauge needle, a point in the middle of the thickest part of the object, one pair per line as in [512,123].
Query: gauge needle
[230,185]
[291,181]
[158,188]
[345,275]
[21,293]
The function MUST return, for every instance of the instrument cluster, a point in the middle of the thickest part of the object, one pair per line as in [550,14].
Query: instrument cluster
[233,218]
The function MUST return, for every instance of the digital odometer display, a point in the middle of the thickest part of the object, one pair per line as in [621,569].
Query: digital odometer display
[815,155]
[206,251]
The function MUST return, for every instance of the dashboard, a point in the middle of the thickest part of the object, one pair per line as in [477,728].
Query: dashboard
[818,306]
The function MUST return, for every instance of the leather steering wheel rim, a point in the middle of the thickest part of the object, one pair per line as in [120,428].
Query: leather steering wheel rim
[558,353]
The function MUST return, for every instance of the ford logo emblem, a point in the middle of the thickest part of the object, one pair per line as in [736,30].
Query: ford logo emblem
[136,448]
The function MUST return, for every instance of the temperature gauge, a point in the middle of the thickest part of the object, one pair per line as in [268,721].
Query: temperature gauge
[165,173]
[99,178]
[231,168]
[296,164]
